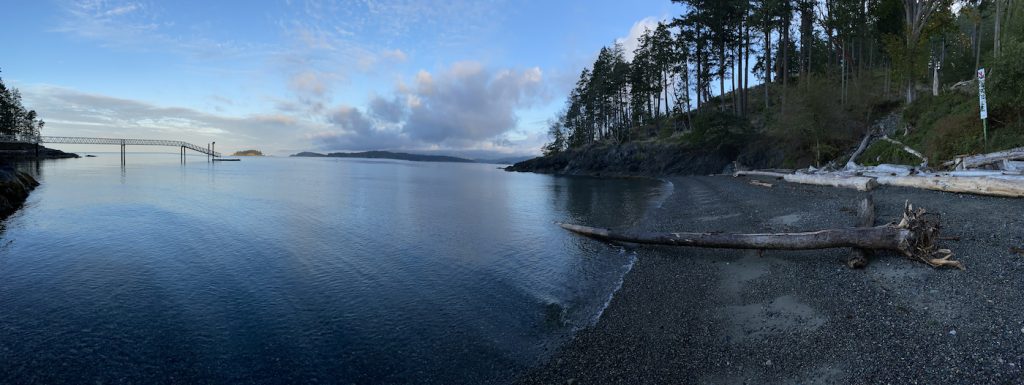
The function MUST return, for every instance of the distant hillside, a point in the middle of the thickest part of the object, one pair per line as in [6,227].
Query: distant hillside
[387,155]
[248,153]
[509,160]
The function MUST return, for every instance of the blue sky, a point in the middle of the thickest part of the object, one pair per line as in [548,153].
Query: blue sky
[464,77]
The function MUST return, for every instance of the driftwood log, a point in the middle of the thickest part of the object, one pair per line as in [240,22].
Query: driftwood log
[913,236]
[985,159]
[852,162]
[855,182]
[865,218]
[908,149]
[980,185]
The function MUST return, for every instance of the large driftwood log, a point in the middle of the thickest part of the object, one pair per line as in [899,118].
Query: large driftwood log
[882,237]
[914,236]
[908,149]
[854,182]
[852,163]
[985,159]
[865,218]
[980,185]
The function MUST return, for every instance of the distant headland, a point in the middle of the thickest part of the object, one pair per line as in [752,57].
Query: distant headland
[248,153]
[387,155]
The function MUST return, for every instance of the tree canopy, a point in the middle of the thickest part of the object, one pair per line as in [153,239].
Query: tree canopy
[810,59]
[15,120]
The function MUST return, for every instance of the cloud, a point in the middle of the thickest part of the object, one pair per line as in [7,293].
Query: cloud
[466,106]
[395,55]
[69,112]
[632,40]
[468,102]
[311,89]
[392,110]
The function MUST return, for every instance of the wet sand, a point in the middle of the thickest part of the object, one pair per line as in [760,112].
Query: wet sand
[686,315]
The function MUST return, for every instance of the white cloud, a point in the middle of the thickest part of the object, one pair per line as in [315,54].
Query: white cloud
[70,112]
[139,25]
[466,106]
[632,40]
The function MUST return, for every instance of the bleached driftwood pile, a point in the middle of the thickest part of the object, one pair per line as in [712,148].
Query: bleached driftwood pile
[1003,174]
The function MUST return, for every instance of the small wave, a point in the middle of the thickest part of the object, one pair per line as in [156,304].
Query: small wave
[618,285]
[663,195]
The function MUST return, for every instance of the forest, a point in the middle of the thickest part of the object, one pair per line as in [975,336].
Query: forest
[16,121]
[825,72]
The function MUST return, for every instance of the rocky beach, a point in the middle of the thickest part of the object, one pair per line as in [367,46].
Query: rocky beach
[689,315]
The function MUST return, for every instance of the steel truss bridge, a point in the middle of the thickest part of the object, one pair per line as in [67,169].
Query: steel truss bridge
[209,151]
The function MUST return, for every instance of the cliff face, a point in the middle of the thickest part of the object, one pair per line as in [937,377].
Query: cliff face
[14,188]
[630,159]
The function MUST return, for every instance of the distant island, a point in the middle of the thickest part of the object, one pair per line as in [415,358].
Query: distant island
[386,155]
[248,153]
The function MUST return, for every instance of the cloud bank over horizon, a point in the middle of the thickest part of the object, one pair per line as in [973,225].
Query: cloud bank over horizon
[466,106]
[459,76]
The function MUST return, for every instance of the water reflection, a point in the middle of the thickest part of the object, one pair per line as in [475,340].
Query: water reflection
[289,270]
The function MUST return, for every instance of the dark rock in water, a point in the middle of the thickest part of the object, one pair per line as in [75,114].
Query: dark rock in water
[630,159]
[14,188]
[90,156]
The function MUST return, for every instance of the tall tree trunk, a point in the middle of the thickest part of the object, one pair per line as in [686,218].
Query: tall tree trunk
[746,69]
[721,76]
[665,86]
[698,54]
[977,46]
[999,18]
[916,13]
[767,64]
[785,60]
[686,82]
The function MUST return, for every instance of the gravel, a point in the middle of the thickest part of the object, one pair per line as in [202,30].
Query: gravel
[687,315]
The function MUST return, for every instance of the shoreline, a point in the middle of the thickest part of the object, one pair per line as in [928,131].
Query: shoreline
[15,187]
[730,316]
[655,204]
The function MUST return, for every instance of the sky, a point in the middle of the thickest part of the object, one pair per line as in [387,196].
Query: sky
[472,78]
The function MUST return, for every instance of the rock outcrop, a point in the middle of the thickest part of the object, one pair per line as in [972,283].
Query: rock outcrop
[14,189]
[630,159]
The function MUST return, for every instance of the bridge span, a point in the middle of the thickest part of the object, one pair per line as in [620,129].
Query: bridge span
[183,146]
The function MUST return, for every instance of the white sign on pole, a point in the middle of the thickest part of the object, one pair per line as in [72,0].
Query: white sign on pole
[981,94]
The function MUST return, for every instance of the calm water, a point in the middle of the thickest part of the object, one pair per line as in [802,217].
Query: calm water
[285,270]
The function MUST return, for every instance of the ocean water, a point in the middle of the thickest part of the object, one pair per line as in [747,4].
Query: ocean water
[301,270]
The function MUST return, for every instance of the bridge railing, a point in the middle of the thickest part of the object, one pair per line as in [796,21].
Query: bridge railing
[19,138]
[113,141]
